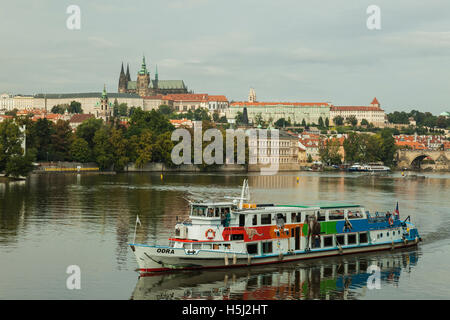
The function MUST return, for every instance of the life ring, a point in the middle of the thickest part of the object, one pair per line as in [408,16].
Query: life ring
[208,232]
[391,221]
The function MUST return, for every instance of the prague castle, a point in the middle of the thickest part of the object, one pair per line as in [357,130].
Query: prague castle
[145,86]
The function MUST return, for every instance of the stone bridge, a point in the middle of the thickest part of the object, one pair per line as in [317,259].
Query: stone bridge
[424,159]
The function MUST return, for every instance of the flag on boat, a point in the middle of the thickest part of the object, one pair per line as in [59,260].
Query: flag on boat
[397,213]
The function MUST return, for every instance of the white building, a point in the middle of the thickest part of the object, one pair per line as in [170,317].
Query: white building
[6,102]
[373,113]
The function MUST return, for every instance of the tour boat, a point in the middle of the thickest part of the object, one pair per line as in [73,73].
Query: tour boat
[237,234]
[371,167]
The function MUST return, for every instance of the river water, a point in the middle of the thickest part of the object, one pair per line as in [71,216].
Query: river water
[51,222]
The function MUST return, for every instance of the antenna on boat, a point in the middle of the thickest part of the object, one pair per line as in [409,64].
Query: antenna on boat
[245,194]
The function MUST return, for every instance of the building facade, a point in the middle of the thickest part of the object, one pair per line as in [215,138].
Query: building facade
[373,113]
[294,112]
[145,86]
[89,101]
[6,102]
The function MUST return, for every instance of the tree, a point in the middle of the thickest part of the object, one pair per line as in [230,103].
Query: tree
[329,151]
[41,135]
[259,121]
[59,108]
[80,151]
[364,122]
[144,148]
[153,120]
[201,114]
[338,120]
[12,160]
[120,149]
[327,122]
[75,107]
[87,130]
[303,123]
[165,109]
[103,150]
[162,148]
[216,116]
[351,120]
[61,139]
[388,147]
[321,123]
[281,123]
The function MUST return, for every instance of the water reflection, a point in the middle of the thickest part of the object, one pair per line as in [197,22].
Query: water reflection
[330,278]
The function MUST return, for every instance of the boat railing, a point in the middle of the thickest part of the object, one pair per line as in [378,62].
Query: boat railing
[378,217]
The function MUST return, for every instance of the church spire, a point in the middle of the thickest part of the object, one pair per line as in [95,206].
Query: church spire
[128,72]
[143,66]
[121,71]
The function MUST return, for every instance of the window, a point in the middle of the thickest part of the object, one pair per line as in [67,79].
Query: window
[320,216]
[266,218]
[340,240]
[328,241]
[196,246]
[255,220]
[237,237]
[363,237]
[252,248]
[336,215]
[267,247]
[207,246]
[351,239]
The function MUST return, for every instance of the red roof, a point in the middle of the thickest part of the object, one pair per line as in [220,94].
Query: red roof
[296,104]
[354,108]
[187,97]
[375,101]
[78,118]
[217,98]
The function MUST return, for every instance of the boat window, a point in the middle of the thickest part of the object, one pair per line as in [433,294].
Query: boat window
[353,214]
[340,239]
[187,246]
[363,237]
[207,246]
[252,248]
[196,246]
[295,217]
[266,218]
[336,215]
[217,212]
[351,239]
[199,211]
[281,219]
[210,213]
[267,247]
[328,241]
[320,216]
[227,246]
[216,246]
[237,237]
[255,220]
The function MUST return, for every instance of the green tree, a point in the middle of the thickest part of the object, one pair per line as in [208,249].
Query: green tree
[327,122]
[165,109]
[61,139]
[162,148]
[338,121]
[75,107]
[144,148]
[351,120]
[364,122]
[103,149]
[80,151]
[41,134]
[321,123]
[120,149]
[87,130]
[122,110]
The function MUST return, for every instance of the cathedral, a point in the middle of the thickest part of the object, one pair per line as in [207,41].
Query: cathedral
[145,86]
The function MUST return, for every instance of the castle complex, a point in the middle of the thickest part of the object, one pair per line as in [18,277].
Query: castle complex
[144,86]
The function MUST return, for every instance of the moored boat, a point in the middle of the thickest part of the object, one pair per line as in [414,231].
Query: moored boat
[234,233]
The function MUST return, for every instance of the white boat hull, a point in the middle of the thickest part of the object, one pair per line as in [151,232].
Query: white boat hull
[158,258]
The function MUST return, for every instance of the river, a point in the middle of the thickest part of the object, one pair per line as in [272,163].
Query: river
[50,222]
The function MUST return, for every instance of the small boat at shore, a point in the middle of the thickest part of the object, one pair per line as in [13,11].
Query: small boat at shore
[371,167]
[237,234]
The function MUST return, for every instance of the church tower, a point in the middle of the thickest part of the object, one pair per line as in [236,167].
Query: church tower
[123,81]
[143,80]
[252,95]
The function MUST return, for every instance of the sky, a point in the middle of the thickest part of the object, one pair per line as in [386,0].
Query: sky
[287,50]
